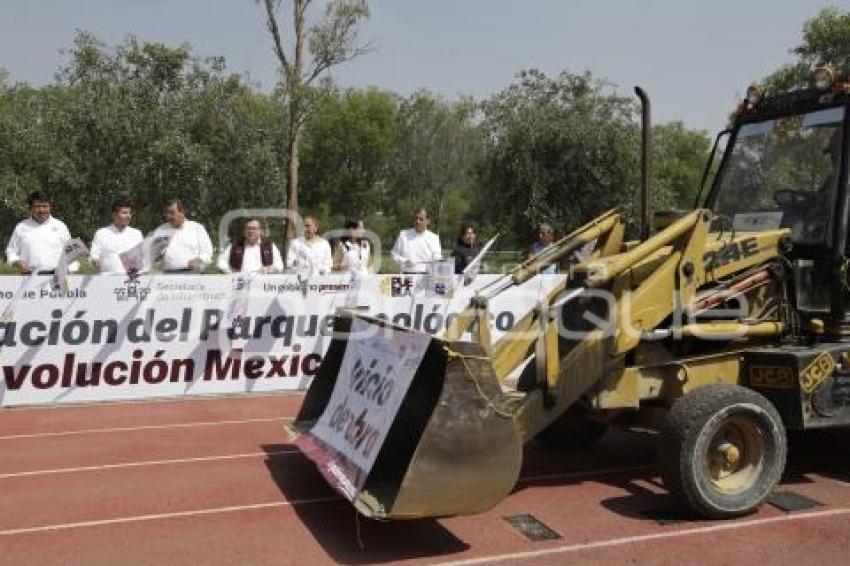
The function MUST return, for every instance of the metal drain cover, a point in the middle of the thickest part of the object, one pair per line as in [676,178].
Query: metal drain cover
[532,528]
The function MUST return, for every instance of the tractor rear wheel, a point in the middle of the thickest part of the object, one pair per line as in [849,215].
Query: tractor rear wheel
[722,450]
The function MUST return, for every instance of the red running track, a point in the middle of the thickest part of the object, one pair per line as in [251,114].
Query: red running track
[213,481]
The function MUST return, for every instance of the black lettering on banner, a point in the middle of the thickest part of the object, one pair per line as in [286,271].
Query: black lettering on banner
[373,385]
[139,329]
[136,366]
[8,336]
[165,329]
[187,366]
[254,367]
[310,364]
[27,338]
[277,369]
[45,376]
[109,373]
[77,331]
[258,328]
[504,321]
[209,322]
[294,359]
[282,328]
[14,379]
[91,378]
[111,327]
[356,431]
[156,370]
[215,368]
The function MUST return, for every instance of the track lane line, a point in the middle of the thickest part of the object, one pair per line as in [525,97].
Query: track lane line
[159,400]
[142,427]
[164,516]
[585,474]
[578,474]
[119,465]
[543,552]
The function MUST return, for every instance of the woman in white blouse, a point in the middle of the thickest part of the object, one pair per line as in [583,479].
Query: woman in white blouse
[353,253]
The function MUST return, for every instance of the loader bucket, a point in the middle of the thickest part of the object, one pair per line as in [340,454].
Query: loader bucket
[449,451]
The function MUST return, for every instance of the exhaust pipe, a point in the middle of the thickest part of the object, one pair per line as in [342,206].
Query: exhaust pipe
[645,165]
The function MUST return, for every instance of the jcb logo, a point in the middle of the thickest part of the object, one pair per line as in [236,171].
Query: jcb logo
[771,377]
[817,371]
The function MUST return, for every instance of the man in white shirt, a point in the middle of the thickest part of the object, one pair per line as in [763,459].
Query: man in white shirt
[252,253]
[115,239]
[417,247]
[37,242]
[189,247]
[312,253]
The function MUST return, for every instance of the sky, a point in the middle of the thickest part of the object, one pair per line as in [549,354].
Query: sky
[694,57]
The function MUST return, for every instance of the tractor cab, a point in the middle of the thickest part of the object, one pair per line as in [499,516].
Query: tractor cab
[785,166]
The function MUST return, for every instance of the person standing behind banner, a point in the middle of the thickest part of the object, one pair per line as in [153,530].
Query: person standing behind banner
[353,253]
[417,247]
[115,239]
[545,236]
[189,247]
[36,243]
[466,247]
[312,253]
[251,253]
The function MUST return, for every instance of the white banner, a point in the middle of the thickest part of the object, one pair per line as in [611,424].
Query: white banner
[375,374]
[109,338]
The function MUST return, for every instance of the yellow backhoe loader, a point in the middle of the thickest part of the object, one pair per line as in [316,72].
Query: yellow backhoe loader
[720,328]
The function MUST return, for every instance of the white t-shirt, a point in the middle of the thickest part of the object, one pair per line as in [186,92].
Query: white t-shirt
[418,247]
[38,244]
[110,241]
[188,242]
[313,256]
[252,260]
[355,256]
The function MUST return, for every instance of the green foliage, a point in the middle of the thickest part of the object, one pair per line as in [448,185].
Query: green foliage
[558,149]
[144,121]
[564,149]
[151,122]
[826,39]
[679,158]
[345,152]
[437,148]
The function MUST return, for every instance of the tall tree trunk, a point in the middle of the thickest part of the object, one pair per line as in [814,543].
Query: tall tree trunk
[292,177]
[296,92]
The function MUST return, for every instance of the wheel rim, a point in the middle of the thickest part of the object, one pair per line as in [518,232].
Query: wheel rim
[735,455]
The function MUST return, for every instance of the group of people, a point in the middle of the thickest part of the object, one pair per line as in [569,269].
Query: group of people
[37,243]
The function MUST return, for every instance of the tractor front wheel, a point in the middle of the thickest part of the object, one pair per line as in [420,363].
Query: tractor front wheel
[722,450]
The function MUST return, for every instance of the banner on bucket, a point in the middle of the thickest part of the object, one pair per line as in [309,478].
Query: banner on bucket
[375,374]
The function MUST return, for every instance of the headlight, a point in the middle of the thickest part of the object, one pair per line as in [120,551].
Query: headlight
[824,78]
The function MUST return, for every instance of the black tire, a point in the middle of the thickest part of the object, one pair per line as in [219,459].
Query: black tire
[573,430]
[722,450]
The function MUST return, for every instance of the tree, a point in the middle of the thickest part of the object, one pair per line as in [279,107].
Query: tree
[346,146]
[313,51]
[557,149]
[436,151]
[679,159]
[826,39]
[144,121]
[564,149]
